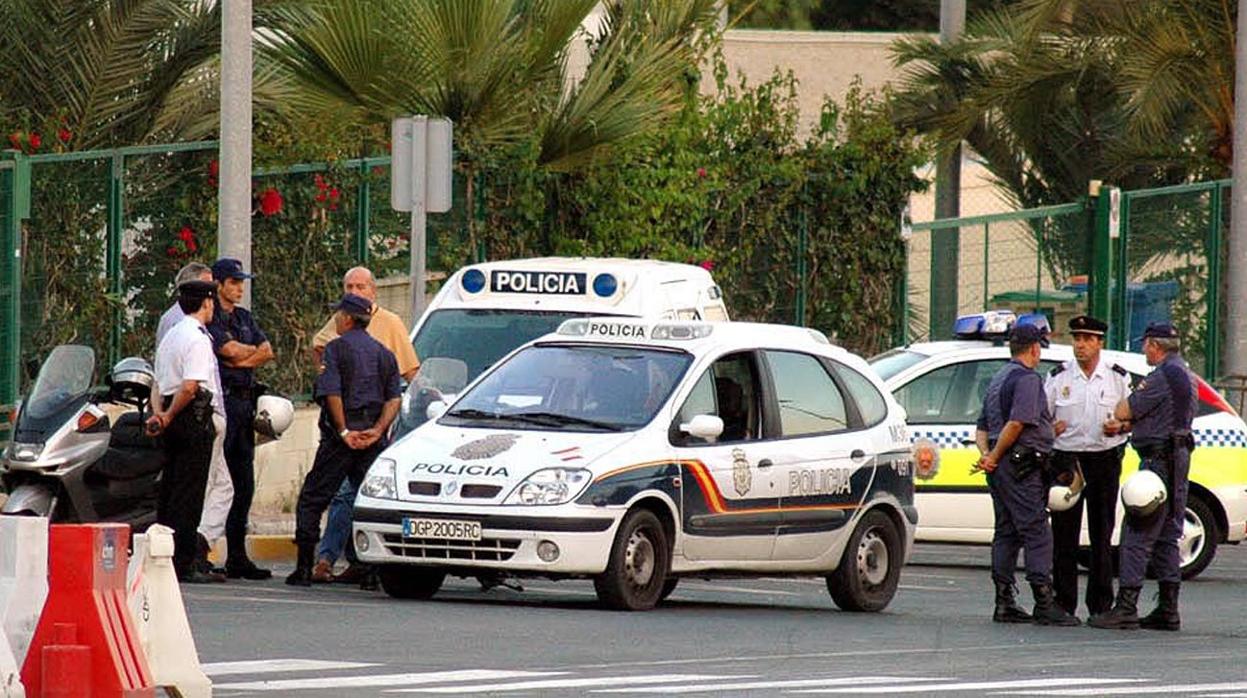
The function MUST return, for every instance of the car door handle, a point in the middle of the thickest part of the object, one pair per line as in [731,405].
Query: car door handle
[857,454]
[764,463]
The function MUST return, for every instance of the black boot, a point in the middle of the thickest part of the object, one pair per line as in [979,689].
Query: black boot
[1124,615]
[1047,612]
[201,554]
[1165,615]
[1007,608]
[302,574]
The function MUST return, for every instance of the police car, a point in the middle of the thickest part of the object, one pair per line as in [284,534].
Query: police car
[635,452]
[941,387]
[486,310]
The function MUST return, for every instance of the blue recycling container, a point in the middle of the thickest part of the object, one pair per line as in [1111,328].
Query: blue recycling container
[1145,303]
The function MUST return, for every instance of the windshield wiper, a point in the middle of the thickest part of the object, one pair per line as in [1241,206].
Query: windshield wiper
[470,413]
[557,419]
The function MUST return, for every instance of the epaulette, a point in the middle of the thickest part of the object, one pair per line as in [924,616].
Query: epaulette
[1119,369]
[1056,370]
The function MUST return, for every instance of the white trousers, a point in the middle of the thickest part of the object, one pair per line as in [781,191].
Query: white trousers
[220,493]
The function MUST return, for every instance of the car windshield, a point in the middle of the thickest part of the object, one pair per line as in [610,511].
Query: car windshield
[65,376]
[479,337]
[573,388]
[890,363]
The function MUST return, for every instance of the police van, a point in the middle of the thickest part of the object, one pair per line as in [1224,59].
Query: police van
[941,386]
[634,452]
[486,310]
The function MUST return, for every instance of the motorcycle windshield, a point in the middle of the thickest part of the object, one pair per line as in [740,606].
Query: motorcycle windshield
[63,383]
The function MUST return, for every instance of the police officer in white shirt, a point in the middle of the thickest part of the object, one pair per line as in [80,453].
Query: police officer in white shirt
[1081,395]
[188,410]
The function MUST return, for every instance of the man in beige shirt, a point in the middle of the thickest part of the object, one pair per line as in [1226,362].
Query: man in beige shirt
[388,329]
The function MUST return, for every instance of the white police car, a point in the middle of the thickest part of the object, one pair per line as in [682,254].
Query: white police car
[941,387]
[484,311]
[634,452]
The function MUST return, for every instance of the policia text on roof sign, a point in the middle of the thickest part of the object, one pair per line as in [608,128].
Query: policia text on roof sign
[560,283]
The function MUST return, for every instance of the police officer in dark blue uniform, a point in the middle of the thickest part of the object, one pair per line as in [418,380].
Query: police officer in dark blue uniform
[358,392]
[1015,436]
[241,347]
[1160,411]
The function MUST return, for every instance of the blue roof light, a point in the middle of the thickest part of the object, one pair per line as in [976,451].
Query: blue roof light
[605,285]
[1037,319]
[473,280]
[986,325]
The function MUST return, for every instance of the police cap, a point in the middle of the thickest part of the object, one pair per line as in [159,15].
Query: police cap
[354,305]
[1085,324]
[1028,334]
[229,268]
[1160,330]
[197,290]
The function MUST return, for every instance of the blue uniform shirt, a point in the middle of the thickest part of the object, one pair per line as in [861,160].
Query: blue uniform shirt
[237,326]
[1163,404]
[1016,394]
[362,372]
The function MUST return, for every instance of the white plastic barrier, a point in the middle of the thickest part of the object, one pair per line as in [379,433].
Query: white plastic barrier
[23,590]
[156,604]
[10,672]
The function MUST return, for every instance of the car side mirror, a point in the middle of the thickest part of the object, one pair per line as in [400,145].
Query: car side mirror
[703,426]
[436,409]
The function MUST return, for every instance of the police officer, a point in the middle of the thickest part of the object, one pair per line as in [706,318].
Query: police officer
[1161,411]
[187,397]
[1015,439]
[359,395]
[1082,394]
[241,348]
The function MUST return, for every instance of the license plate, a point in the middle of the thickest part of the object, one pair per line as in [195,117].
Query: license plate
[442,528]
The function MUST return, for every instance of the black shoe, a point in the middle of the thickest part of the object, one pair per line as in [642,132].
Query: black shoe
[370,582]
[355,573]
[1124,615]
[1047,612]
[201,554]
[1007,608]
[246,570]
[1165,615]
[300,577]
[197,577]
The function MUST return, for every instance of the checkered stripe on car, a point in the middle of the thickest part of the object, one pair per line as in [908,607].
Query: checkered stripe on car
[943,438]
[1221,437]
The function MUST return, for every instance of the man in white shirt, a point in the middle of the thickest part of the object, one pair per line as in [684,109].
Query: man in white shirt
[189,411]
[1081,395]
[190,272]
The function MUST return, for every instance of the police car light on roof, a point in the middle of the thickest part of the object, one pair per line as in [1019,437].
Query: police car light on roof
[996,324]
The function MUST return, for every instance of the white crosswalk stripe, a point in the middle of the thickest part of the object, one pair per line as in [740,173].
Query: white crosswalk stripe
[265,666]
[385,680]
[1147,690]
[989,685]
[567,683]
[777,684]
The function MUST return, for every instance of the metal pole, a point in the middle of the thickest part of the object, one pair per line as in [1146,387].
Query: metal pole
[112,264]
[235,158]
[1235,351]
[987,261]
[1212,348]
[945,242]
[363,212]
[419,241]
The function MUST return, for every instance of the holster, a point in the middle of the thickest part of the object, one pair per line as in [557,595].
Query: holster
[1026,461]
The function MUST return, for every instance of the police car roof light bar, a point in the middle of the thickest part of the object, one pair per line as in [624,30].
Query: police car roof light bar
[682,331]
[1037,319]
[992,323]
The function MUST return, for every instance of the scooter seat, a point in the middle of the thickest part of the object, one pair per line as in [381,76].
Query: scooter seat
[129,463]
[129,432]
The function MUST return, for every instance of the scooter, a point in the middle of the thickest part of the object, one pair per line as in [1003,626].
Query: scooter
[69,461]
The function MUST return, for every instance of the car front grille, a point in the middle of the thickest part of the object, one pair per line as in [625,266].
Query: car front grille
[488,549]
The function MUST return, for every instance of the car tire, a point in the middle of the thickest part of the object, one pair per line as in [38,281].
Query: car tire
[1198,554]
[410,581]
[870,568]
[636,572]
[668,587]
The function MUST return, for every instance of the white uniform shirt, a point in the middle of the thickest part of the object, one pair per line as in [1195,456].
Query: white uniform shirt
[1085,403]
[171,317]
[185,354]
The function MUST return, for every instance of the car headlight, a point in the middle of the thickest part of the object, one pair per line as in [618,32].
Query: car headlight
[381,481]
[550,486]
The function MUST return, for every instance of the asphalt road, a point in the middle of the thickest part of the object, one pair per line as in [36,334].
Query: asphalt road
[726,636]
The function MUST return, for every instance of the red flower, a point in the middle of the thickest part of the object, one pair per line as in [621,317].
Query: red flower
[320,183]
[64,135]
[334,194]
[320,196]
[214,169]
[172,251]
[16,139]
[707,264]
[701,172]
[186,234]
[35,141]
[191,246]
[333,207]
[270,202]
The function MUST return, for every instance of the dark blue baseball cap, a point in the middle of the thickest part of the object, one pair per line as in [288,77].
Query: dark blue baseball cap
[1028,334]
[1160,330]
[353,304]
[229,268]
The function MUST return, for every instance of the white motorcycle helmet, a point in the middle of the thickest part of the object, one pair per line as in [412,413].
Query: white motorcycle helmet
[1143,494]
[1064,497]
[273,415]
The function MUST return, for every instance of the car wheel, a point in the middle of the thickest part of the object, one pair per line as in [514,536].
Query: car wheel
[636,573]
[870,569]
[1198,543]
[411,582]
[668,587]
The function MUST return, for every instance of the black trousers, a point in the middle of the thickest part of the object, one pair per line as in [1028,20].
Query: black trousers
[335,462]
[239,447]
[1102,473]
[188,448]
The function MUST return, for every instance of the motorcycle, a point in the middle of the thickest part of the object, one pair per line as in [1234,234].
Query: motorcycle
[69,461]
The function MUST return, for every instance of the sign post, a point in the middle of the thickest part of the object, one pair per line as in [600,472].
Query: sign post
[420,182]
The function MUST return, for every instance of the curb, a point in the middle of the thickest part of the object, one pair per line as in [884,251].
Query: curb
[263,548]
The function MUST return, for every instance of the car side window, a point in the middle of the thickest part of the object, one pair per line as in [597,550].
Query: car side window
[728,390]
[925,397]
[870,403]
[809,400]
[973,381]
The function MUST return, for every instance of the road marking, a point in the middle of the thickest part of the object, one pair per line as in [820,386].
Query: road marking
[988,685]
[705,586]
[1138,690]
[567,683]
[266,666]
[915,587]
[296,602]
[752,685]
[384,680]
